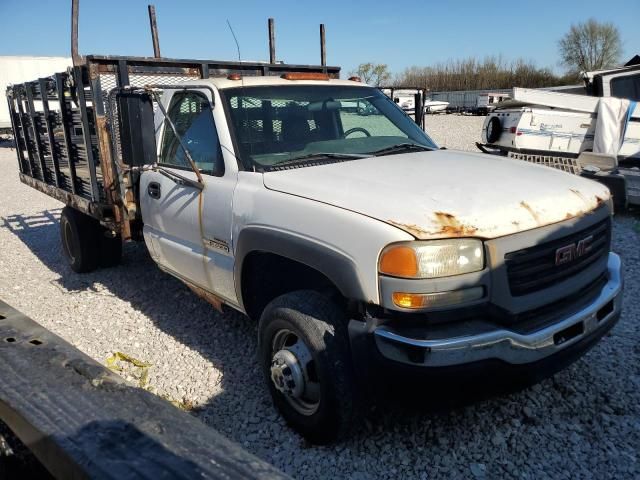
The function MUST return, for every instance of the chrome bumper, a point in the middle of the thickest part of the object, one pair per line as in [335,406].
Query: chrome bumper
[509,346]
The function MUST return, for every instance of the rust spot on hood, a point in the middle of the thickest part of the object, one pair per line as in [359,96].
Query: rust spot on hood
[451,226]
[446,224]
[445,217]
[578,194]
[528,208]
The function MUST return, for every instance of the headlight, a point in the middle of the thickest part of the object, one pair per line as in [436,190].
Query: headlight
[432,259]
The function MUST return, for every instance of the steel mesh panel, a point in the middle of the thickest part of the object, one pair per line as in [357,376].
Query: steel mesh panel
[250,119]
[108,84]
[561,163]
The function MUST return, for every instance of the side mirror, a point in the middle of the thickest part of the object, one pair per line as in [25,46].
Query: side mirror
[137,131]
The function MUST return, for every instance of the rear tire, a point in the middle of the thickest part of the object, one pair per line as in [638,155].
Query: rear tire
[494,130]
[309,329]
[80,240]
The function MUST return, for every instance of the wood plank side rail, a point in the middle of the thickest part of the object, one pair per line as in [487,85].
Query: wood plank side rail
[83,421]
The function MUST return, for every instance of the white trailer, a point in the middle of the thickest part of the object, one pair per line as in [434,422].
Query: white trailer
[487,101]
[568,131]
[14,70]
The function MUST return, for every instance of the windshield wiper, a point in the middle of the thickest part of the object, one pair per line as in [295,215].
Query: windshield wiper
[401,147]
[315,157]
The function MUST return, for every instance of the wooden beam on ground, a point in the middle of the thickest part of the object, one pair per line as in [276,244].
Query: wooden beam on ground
[81,420]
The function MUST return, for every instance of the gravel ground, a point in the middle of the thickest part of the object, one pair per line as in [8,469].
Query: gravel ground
[460,132]
[585,422]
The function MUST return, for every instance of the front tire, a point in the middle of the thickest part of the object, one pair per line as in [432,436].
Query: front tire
[305,358]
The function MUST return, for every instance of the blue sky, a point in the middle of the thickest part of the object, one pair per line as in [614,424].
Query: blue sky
[398,33]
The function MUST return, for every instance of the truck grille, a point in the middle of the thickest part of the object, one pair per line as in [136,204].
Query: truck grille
[532,269]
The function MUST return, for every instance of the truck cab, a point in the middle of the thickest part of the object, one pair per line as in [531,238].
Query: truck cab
[360,247]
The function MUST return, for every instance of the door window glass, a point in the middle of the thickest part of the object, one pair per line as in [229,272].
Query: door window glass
[191,114]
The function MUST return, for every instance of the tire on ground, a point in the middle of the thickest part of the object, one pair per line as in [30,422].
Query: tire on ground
[320,323]
[494,130]
[80,240]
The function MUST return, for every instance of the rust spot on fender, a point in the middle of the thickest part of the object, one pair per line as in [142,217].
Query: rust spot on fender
[531,211]
[413,229]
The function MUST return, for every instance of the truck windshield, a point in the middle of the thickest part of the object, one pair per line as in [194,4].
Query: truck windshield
[275,125]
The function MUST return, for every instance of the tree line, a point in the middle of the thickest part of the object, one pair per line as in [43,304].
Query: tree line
[587,46]
[472,74]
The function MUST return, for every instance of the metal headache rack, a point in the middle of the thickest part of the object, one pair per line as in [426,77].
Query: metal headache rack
[67,127]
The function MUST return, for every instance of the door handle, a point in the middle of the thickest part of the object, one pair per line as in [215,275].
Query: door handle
[153,189]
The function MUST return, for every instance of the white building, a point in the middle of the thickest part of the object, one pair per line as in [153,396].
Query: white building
[20,69]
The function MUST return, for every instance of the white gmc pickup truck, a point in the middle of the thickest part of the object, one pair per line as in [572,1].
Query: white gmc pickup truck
[318,208]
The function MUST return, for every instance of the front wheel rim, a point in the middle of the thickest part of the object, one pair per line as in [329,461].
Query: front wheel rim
[293,372]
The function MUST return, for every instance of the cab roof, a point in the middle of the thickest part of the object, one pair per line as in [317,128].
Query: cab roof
[260,81]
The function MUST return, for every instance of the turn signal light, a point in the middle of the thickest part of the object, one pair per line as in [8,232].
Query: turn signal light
[437,299]
[408,300]
[234,76]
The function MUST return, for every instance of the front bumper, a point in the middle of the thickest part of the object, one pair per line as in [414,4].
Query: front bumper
[583,327]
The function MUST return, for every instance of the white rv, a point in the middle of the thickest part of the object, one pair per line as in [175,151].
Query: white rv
[595,135]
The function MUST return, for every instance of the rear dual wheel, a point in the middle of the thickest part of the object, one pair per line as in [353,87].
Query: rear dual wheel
[86,244]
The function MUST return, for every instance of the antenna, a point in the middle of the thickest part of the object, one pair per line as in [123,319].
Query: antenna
[241,99]
[154,31]
[234,39]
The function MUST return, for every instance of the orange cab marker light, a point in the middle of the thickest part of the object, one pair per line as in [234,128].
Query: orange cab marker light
[305,76]
[234,76]
[355,79]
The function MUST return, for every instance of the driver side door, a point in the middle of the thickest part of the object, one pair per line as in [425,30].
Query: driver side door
[172,211]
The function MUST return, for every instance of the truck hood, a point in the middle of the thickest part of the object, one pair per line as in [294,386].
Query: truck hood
[446,193]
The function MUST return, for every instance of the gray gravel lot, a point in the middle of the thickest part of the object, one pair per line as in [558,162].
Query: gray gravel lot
[460,132]
[585,422]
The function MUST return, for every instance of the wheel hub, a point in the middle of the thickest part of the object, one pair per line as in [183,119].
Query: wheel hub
[286,373]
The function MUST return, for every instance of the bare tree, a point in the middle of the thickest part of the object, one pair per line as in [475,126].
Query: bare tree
[375,74]
[590,46]
[475,74]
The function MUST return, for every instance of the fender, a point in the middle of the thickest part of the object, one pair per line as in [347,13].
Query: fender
[335,265]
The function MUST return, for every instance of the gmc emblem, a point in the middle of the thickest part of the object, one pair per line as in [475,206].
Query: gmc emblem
[571,252]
